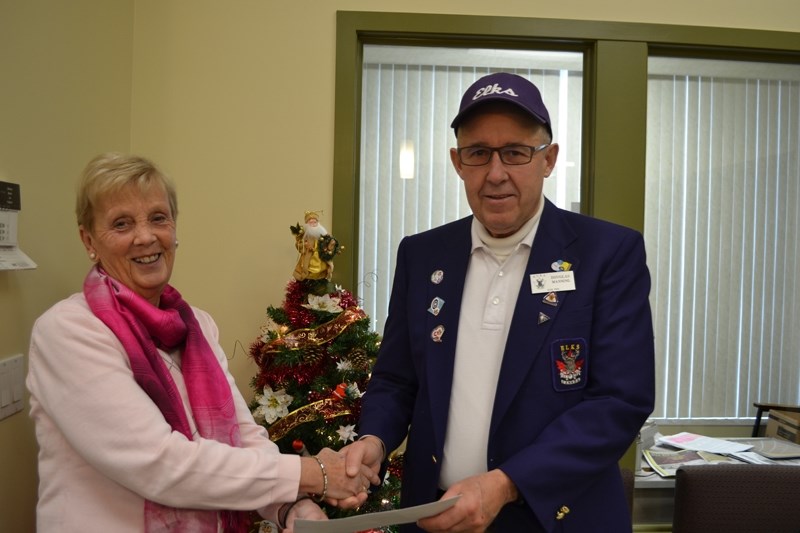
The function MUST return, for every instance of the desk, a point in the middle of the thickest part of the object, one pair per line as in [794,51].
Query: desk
[653,500]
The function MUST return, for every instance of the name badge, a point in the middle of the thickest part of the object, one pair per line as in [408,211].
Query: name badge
[552,282]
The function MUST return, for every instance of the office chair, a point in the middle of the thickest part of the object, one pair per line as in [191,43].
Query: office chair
[628,479]
[733,498]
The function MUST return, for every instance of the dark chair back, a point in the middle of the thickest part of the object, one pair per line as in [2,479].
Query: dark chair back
[628,479]
[733,498]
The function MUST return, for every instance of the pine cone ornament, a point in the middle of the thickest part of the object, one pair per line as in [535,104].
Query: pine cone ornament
[358,358]
[314,354]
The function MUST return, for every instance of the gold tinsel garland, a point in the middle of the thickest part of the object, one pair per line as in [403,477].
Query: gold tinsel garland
[329,408]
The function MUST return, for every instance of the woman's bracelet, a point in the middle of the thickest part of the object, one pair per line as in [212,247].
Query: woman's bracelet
[283,512]
[319,498]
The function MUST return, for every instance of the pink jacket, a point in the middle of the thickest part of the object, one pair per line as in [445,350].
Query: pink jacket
[104,447]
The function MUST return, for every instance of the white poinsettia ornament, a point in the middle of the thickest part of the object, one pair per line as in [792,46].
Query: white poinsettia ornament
[326,302]
[272,405]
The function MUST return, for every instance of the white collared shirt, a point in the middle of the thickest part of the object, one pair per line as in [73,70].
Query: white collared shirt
[493,282]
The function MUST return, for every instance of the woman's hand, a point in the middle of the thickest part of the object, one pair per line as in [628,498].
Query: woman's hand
[306,510]
[326,476]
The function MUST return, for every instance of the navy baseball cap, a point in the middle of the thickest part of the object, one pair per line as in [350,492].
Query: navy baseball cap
[506,87]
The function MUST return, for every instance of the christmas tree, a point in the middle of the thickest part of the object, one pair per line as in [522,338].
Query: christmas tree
[314,356]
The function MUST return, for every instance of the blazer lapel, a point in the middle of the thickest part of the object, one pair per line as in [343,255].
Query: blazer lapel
[450,259]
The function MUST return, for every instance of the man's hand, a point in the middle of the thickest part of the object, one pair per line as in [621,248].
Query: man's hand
[340,484]
[482,497]
[364,453]
[367,451]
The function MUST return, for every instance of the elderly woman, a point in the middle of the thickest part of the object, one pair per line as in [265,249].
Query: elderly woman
[139,423]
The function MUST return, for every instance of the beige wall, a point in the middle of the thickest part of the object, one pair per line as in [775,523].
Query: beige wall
[236,101]
[65,94]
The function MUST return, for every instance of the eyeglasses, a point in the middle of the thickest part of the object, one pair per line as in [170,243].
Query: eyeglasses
[513,154]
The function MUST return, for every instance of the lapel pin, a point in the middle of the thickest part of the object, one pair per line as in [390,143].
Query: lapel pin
[551,298]
[437,333]
[437,276]
[436,306]
[543,318]
[561,265]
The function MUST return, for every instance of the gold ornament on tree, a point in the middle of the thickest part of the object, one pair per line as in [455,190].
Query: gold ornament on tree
[316,247]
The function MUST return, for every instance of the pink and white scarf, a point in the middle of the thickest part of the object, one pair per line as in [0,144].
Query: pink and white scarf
[141,328]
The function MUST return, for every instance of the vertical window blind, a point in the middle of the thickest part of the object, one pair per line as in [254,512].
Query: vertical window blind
[721,230]
[407,183]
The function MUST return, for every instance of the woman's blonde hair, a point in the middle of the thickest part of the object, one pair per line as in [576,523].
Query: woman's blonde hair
[109,173]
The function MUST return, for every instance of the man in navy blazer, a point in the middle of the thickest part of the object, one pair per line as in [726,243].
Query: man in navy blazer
[518,352]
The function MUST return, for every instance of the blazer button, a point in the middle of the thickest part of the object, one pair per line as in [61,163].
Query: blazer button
[564,511]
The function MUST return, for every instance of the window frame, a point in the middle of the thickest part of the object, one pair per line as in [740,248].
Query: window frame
[616,53]
[613,159]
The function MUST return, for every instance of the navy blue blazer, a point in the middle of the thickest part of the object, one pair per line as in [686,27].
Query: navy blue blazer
[561,420]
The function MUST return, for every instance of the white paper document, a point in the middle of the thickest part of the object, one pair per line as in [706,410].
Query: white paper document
[699,443]
[374,520]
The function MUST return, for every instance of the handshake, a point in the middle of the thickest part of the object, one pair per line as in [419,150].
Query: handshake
[339,478]
[343,478]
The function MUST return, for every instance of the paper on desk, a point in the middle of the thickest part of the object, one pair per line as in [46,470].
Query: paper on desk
[690,441]
[374,520]
[754,458]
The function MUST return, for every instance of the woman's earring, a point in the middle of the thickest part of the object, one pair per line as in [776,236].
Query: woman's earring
[176,243]
[93,256]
